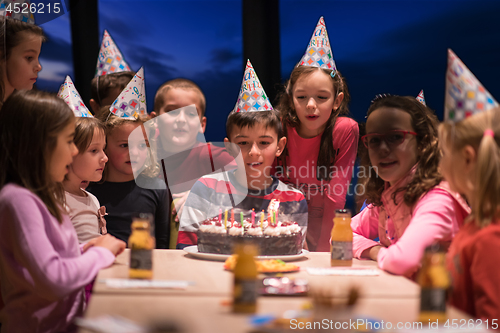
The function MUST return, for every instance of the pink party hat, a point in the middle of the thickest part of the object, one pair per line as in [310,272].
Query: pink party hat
[70,95]
[252,96]
[421,97]
[132,100]
[464,95]
[318,52]
[21,10]
[110,59]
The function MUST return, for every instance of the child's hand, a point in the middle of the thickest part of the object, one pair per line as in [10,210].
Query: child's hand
[111,243]
[89,244]
[179,201]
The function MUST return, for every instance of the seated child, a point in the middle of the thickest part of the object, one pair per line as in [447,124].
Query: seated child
[42,268]
[180,105]
[119,190]
[471,165]
[259,136]
[410,207]
[106,88]
[83,207]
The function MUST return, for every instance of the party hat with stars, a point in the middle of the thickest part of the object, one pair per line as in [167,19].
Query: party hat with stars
[464,95]
[18,9]
[421,97]
[318,52]
[132,100]
[252,96]
[70,95]
[110,59]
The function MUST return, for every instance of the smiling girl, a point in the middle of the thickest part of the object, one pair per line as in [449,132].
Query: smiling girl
[20,45]
[410,207]
[87,166]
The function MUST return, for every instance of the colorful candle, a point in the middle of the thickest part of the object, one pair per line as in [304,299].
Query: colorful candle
[225,218]
[232,217]
[262,221]
[220,216]
[275,221]
[253,217]
[241,219]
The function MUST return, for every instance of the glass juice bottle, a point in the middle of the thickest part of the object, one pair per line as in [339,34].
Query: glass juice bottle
[141,244]
[245,279]
[341,241]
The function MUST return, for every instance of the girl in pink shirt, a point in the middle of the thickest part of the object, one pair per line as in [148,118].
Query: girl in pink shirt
[410,206]
[42,268]
[471,164]
[321,146]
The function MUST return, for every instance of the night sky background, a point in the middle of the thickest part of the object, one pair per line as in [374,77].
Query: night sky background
[396,47]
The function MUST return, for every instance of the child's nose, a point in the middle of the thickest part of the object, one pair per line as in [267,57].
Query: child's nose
[104,158]
[38,67]
[181,117]
[254,150]
[311,103]
[74,150]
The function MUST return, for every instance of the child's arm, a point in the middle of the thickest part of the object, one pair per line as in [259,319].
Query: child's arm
[434,218]
[162,221]
[485,274]
[364,229]
[24,235]
[193,214]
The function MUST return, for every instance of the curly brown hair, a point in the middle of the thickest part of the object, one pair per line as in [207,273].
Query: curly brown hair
[327,155]
[427,175]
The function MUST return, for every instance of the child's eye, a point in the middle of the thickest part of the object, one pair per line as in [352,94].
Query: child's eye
[173,113]
[242,143]
[124,145]
[322,97]
[93,151]
[265,143]
[301,97]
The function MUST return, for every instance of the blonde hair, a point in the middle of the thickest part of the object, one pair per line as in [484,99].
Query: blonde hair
[470,132]
[111,122]
[179,83]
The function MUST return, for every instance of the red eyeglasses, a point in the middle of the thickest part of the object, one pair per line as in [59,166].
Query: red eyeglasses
[392,139]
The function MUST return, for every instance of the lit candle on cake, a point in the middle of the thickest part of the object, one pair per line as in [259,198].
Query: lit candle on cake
[225,218]
[253,217]
[232,216]
[220,216]
[262,221]
[275,221]
[241,219]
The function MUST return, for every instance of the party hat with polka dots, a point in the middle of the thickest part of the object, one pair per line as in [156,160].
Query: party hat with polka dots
[132,100]
[110,59]
[252,96]
[70,95]
[319,52]
[21,10]
[420,97]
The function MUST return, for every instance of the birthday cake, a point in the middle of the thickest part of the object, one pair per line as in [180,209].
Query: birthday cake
[282,238]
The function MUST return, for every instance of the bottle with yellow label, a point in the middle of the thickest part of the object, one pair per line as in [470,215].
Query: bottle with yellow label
[434,282]
[141,244]
[245,279]
[341,242]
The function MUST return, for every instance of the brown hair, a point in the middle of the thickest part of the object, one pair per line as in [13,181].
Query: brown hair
[470,132]
[270,119]
[101,85]
[84,132]
[179,83]
[111,122]
[427,175]
[30,122]
[327,155]
[10,38]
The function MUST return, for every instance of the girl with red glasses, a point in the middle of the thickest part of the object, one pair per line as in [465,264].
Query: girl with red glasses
[410,206]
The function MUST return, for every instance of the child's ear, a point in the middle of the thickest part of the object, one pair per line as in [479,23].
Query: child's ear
[94,106]
[470,156]
[338,101]
[281,146]
[203,125]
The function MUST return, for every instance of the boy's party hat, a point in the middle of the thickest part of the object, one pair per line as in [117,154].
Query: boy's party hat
[70,95]
[318,52]
[110,59]
[18,9]
[464,95]
[421,97]
[132,100]
[252,96]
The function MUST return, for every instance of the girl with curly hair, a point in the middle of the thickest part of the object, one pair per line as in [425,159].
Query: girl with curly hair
[410,206]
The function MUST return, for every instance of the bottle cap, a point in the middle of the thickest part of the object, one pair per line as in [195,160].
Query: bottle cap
[342,212]
[435,248]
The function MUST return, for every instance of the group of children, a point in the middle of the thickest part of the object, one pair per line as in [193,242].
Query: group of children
[415,196]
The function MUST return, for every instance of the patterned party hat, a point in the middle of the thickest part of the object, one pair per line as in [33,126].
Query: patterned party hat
[110,59]
[132,100]
[18,9]
[252,96]
[421,97]
[318,52]
[464,95]
[70,95]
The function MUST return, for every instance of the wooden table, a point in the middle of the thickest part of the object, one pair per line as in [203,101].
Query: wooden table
[210,278]
[203,307]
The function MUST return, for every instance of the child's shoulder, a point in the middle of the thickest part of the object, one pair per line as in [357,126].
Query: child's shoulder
[12,192]
[346,124]
[442,194]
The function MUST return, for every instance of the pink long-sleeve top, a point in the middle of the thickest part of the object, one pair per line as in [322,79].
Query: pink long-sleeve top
[42,270]
[323,197]
[405,232]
